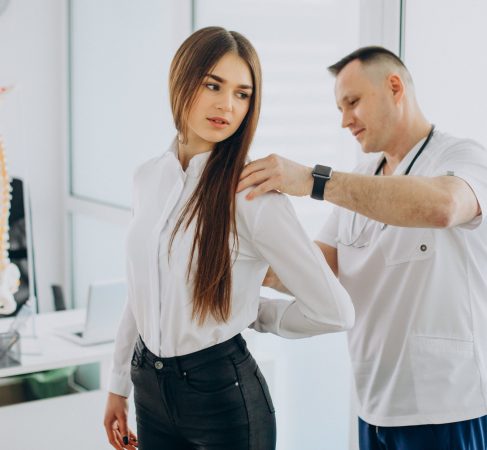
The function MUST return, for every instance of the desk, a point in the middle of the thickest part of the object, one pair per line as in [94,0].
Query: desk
[73,422]
[56,352]
[70,422]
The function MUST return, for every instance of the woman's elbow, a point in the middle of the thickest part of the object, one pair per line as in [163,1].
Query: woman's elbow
[346,311]
[343,318]
[348,317]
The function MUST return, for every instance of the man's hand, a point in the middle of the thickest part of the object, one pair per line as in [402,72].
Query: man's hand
[275,173]
[118,433]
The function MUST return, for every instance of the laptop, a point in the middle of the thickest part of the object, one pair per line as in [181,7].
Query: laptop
[103,313]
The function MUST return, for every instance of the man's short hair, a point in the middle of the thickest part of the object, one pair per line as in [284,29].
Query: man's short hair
[369,56]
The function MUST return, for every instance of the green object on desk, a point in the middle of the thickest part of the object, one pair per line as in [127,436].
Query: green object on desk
[50,383]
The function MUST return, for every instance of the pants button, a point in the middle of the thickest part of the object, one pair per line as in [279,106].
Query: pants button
[158,365]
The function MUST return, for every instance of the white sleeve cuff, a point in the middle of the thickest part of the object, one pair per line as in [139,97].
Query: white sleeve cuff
[120,384]
[285,318]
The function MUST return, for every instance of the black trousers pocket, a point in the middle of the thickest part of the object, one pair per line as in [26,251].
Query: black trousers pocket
[265,389]
[212,378]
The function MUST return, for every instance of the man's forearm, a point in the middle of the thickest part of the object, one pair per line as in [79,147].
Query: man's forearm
[406,201]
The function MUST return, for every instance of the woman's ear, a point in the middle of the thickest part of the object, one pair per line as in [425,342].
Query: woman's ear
[181,138]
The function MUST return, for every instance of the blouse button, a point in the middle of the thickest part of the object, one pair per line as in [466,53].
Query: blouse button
[423,247]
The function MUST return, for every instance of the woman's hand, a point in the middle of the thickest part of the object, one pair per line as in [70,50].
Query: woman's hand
[118,433]
[272,280]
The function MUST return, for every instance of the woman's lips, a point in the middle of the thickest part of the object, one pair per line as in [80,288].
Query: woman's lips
[218,122]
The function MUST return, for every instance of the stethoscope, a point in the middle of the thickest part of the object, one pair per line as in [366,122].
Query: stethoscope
[416,156]
[353,242]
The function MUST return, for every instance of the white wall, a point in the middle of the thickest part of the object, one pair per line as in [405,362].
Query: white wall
[32,122]
[444,48]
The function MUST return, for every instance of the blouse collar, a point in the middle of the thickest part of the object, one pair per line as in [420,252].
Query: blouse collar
[196,164]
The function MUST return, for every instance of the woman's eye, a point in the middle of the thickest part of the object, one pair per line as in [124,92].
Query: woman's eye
[353,102]
[243,95]
[212,86]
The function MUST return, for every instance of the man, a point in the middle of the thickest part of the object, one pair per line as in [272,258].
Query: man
[408,240]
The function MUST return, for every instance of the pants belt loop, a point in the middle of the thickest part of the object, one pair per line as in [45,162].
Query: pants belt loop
[143,351]
[181,372]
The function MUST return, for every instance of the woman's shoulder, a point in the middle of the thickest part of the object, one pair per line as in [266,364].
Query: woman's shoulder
[271,198]
[267,204]
[153,165]
[148,165]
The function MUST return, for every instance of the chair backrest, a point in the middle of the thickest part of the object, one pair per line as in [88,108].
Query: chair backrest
[58,297]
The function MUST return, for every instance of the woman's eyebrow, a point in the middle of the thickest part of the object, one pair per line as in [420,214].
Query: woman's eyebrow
[221,80]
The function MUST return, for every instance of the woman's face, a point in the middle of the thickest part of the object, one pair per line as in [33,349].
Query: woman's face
[222,102]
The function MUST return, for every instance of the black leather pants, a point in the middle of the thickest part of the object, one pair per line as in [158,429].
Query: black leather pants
[214,399]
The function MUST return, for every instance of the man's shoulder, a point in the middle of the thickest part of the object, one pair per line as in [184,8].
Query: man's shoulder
[446,141]
[450,154]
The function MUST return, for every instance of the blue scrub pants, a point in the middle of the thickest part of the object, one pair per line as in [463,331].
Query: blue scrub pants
[466,435]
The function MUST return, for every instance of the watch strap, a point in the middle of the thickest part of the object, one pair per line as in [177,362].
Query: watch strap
[321,174]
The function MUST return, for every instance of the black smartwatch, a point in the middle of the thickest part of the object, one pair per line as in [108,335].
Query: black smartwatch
[321,174]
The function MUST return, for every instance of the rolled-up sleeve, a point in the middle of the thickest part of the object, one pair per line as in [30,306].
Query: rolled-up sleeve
[321,304]
[467,160]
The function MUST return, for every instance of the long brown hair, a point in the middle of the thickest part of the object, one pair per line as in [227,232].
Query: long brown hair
[213,202]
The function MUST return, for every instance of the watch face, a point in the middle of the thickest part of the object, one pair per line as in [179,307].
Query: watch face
[322,171]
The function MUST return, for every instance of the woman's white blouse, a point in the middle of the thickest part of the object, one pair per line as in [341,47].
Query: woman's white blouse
[159,304]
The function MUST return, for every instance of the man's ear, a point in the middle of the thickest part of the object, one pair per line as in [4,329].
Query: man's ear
[396,86]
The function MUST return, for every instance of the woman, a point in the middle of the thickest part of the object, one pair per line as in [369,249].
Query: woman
[196,257]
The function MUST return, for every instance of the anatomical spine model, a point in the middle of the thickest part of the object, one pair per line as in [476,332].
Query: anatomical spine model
[9,272]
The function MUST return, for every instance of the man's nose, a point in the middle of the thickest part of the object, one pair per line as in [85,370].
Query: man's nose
[347,119]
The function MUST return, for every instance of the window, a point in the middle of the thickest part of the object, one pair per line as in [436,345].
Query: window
[119,117]
[120,55]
